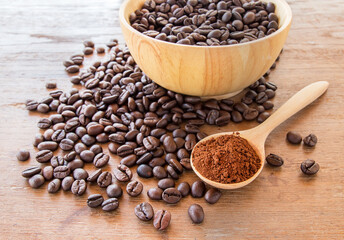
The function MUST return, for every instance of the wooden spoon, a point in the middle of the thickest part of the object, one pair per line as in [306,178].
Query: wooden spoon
[257,136]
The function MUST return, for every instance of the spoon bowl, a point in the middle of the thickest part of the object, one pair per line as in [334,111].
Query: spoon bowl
[256,136]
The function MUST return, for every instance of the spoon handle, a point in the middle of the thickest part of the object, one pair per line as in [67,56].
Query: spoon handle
[300,100]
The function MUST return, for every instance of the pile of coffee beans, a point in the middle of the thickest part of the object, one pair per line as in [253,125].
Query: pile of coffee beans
[144,124]
[205,22]
[309,166]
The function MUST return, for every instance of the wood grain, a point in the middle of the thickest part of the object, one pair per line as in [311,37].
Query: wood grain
[204,71]
[37,35]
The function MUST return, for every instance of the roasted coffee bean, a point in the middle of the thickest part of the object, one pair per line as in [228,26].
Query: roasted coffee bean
[250,114]
[61,172]
[100,160]
[171,172]
[44,123]
[44,156]
[156,162]
[36,181]
[66,144]
[196,213]
[212,195]
[113,147]
[73,69]
[129,161]
[176,166]
[79,147]
[23,155]
[104,179]
[144,211]
[48,145]
[184,189]
[263,116]
[145,158]
[54,186]
[96,149]
[31,105]
[67,183]
[162,219]
[185,162]
[38,139]
[28,173]
[80,173]
[88,140]
[311,140]
[155,193]
[274,160]
[87,156]
[150,143]
[95,200]
[145,171]
[182,153]
[110,204]
[134,188]
[171,195]
[198,189]
[94,176]
[57,161]
[309,167]
[169,144]
[43,108]
[159,172]
[122,173]
[58,135]
[294,137]
[166,183]
[125,150]
[74,164]
[79,187]
[114,190]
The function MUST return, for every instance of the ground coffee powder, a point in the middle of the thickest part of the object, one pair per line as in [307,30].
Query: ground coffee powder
[226,159]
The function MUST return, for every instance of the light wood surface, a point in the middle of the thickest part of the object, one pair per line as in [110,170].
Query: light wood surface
[257,136]
[204,71]
[282,203]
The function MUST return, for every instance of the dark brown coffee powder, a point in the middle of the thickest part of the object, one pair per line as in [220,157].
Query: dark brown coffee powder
[226,159]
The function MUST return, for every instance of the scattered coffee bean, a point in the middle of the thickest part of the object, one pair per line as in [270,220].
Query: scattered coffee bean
[309,167]
[94,176]
[23,155]
[159,172]
[198,189]
[212,195]
[171,195]
[162,219]
[311,140]
[67,183]
[166,183]
[36,181]
[114,191]
[28,173]
[122,173]
[110,204]
[80,173]
[100,50]
[48,173]
[294,137]
[101,159]
[155,193]
[145,171]
[144,211]
[134,188]
[274,160]
[184,189]
[50,85]
[104,179]
[54,186]
[61,172]
[79,187]
[196,213]
[95,200]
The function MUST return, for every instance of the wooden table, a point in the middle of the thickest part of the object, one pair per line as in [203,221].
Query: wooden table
[37,35]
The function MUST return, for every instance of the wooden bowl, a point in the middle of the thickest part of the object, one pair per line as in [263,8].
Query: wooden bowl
[204,71]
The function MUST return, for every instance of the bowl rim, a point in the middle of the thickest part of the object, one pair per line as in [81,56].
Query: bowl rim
[287,23]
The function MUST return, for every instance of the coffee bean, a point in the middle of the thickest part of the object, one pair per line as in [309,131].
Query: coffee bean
[104,179]
[94,176]
[144,211]
[114,190]
[129,161]
[196,213]
[171,195]
[67,183]
[54,186]
[151,143]
[66,144]
[294,137]
[274,160]
[162,219]
[96,149]
[80,173]
[36,181]
[145,171]
[48,172]
[125,150]
[166,183]
[309,167]
[172,173]
[38,139]
[184,189]
[100,50]
[122,173]
[155,193]
[110,204]
[134,188]
[159,172]
[113,147]
[185,162]
[79,187]
[87,156]
[95,200]
[100,160]
[263,116]
[212,195]
[23,155]
[48,145]
[61,172]
[28,173]
[44,123]
[169,144]
[76,163]
[31,105]
[44,156]
[311,140]
[73,69]
[250,114]
[198,189]
[176,166]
